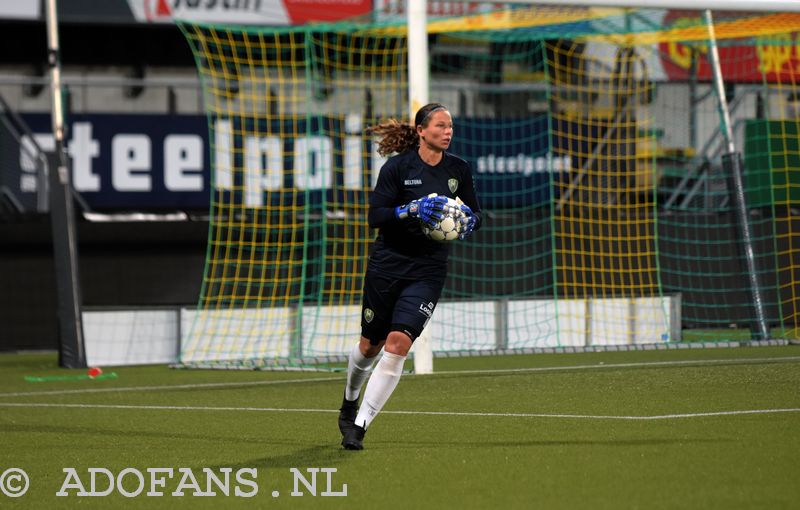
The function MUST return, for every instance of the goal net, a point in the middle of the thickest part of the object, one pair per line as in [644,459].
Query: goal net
[596,142]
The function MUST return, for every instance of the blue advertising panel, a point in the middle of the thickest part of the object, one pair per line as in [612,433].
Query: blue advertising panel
[510,159]
[162,162]
[134,162]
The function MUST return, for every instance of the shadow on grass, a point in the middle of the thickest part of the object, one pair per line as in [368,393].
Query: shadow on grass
[131,435]
[406,444]
[324,455]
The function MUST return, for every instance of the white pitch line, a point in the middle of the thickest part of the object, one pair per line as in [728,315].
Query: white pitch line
[420,413]
[741,361]
[444,372]
[603,417]
[167,387]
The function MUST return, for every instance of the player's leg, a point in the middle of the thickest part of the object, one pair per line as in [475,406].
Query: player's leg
[385,377]
[381,384]
[376,310]
[359,366]
[412,311]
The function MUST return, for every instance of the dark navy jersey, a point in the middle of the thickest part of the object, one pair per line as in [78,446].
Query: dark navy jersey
[401,248]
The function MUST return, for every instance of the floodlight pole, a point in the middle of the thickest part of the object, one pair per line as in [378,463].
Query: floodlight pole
[732,160]
[72,353]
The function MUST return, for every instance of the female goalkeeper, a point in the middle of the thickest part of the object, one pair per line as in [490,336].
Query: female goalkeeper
[406,270]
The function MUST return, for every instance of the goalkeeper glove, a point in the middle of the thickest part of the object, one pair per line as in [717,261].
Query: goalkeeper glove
[426,209]
[467,222]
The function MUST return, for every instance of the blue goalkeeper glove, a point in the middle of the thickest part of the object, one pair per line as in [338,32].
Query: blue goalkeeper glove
[426,209]
[467,222]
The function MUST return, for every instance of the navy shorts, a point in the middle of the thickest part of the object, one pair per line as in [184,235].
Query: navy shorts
[395,304]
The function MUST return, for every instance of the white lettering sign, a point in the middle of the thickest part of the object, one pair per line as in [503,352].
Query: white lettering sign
[183,163]
[130,156]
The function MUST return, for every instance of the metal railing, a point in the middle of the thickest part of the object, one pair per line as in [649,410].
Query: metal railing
[16,127]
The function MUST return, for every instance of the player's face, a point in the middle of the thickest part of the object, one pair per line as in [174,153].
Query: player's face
[438,133]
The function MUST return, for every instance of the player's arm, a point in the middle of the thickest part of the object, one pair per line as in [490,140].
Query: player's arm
[381,211]
[383,208]
[382,201]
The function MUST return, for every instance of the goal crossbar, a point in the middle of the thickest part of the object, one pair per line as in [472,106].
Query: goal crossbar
[714,5]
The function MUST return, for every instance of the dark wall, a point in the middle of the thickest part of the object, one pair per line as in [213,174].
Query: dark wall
[121,264]
[94,44]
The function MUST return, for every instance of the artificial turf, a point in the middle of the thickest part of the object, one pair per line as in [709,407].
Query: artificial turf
[593,430]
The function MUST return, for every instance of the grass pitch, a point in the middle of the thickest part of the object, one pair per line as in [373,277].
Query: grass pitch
[715,428]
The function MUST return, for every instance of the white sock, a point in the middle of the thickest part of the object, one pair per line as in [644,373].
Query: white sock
[358,370]
[380,386]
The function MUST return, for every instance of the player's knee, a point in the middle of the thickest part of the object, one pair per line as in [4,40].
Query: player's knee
[369,349]
[398,342]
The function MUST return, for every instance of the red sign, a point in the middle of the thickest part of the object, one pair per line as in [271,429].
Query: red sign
[774,57]
[249,12]
[303,11]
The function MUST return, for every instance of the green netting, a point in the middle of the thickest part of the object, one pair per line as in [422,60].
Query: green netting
[596,147]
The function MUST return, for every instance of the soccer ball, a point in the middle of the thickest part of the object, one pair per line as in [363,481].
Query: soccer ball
[448,228]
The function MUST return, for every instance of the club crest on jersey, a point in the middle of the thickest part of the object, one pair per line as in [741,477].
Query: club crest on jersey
[452,184]
[368,315]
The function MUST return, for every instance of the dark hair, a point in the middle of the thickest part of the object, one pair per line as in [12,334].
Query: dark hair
[399,136]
